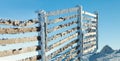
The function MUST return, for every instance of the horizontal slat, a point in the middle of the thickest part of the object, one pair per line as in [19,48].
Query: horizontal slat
[61,23]
[57,12]
[74,57]
[62,19]
[20,56]
[18,30]
[89,50]
[88,13]
[90,19]
[19,40]
[89,39]
[62,34]
[68,55]
[59,39]
[60,46]
[19,51]
[63,52]
[93,27]
[34,58]
[19,23]
[61,30]
[89,25]
[89,44]
[91,33]
[12,26]
[61,26]
[18,45]
[19,35]
[64,40]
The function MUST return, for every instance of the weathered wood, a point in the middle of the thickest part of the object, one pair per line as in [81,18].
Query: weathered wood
[18,30]
[91,33]
[61,26]
[62,19]
[34,58]
[80,33]
[90,19]
[89,49]
[42,24]
[88,13]
[19,40]
[89,39]
[62,45]
[64,40]
[57,12]
[58,39]
[66,49]
[89,44]
[18,23]
[19,51]
[89,25]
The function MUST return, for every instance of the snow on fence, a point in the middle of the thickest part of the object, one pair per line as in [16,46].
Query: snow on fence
[61,35]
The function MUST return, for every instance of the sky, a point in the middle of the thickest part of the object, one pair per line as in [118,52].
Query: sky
[108,10]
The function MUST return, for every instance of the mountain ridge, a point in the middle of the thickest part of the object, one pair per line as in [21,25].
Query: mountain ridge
[106,54]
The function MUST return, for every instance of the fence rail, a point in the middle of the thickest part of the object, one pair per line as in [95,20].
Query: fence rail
[62,38]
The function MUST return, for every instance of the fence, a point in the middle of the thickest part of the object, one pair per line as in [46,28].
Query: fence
[62,35]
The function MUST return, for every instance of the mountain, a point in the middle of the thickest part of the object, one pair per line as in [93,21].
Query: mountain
[106,50]
[106,54]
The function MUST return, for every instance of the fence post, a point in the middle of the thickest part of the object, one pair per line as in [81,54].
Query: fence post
[96,29]
[80,34]
[42,20]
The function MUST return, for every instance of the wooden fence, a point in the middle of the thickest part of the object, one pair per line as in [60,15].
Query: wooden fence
[61,35]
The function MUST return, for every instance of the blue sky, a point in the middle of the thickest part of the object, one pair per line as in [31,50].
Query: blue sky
[109,18]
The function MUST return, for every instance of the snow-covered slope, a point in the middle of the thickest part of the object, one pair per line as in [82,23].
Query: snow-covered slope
[106,54]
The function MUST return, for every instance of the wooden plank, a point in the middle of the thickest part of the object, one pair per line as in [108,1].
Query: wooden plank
[18,45]
[21,56]
[19,51]
[90,19]
[64,40]
[89,44]
[57,12]
[89,39]
[93,28]
[60,38]
[61,26]
[64,55]
[91,33]
[18,23]
[18,30]
[89,25]
[61,46]
[61,30]
[19,35]
[34,58]
[68,49]
[62,19]
[88,13]
[68,54]
[89,50]
[61,34]
[19,40]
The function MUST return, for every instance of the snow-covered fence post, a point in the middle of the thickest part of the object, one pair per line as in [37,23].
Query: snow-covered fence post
[42,20]
[80,35]
[96,18]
